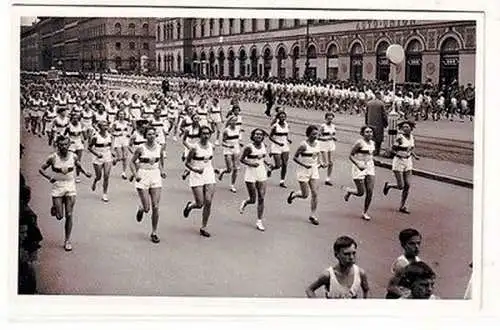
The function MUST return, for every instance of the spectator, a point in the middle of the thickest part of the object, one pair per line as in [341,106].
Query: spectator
[376,118]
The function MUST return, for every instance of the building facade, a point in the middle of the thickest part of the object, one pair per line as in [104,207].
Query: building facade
[441,51]
[30,52]
[92,44]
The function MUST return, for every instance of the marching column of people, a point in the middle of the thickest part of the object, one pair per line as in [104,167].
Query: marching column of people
[133,131]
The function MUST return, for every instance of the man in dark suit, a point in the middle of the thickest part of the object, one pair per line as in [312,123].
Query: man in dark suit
[165,86]
[376,117]
[269,97]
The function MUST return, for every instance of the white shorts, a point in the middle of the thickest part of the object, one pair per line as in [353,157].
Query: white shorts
[357,174]
[326,146]
[207,177]
[86,124]
[231,151]
[402,164]
[48,126]
[204,122]
[63,188]
[216,118]
[160,139]
[276,149]
[107,158]
[149,179]
[305,174]
[76,145]
[253,174]
[120,142]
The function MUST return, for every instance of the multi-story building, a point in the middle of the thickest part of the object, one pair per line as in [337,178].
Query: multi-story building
[94,44]
[441,51]
[30,53]
[121,43]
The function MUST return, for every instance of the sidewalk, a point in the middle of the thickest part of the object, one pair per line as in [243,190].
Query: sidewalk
[442,132]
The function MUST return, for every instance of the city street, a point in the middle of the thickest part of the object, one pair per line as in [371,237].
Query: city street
[112,253]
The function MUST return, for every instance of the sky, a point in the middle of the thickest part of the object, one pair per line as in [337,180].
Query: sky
[27,20]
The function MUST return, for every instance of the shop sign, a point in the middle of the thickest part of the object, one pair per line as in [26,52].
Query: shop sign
[414,61]
[357,62]
[449,60]
[383,61]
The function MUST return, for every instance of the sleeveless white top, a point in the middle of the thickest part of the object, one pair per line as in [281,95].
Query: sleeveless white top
[365,153]
[202,157]
[338,291]
[75,133]
[232,136]
[150,158]
[310,155]
[103,145]
[120,128]
[64,170]
[281,133]
[328,132]
[407,144]
[257,155]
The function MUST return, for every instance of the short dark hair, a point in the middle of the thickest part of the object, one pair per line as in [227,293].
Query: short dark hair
[254,131]
[343,242]
[406,234]
[417,271]
[362,130]
[310,129]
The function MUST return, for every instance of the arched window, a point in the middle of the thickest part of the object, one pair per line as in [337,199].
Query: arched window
[413,71]
[332,62]
[194,31]
[202,28]
[178,30]
[231,26]
[383,65]
[267,24]
[164,62]
[118,28]
[280,59]
[449,61]
[311,51]
[221,63]
[211,26]
[132,63]
[158,65]
[118,62]
[145,29]
[295,57]
[243,61]
[221,26]
[164,31]
[131,29]
[356,71]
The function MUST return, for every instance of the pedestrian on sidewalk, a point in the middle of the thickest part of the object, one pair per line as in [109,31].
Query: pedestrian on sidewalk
[402,163]
[376,118]
[148,171]
[363,169]
[63,164]
[345,280]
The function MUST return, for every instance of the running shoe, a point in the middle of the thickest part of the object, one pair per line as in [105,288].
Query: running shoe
[404,210]
[184,175]
[289,200]
[232,189]
[187,209]
[269,173]
[313,220]
[155,239]
[67,246]
[242,206]
[386,188]
[139,215]
[204,233]
[105,198]
[366,217]
[328,183]
[77,180]
[220,174]
[124,176]
[93,185]
[260,226]
[283,185]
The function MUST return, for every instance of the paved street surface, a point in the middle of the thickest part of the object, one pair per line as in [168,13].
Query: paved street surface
[112,254]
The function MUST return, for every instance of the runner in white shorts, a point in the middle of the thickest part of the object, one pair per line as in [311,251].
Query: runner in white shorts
[190,138]
[327,144]
[363,169]
[280,148]
[253,156]
[148,172]
[75,133]
[201,178]
[63,164]
[100,147]
[307,157]
[216,119]
[231,149]
[120,132]
[402,163]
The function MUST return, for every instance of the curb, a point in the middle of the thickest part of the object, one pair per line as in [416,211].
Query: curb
[431,175]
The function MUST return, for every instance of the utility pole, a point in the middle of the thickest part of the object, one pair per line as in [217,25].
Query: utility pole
[306,70]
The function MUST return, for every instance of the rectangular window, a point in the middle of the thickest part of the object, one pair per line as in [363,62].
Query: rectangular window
[231,25]
[132,45]
[221,26]
[118,45]
[296,22]
[281,23]
[254,25]
[145,46]
[242,26]
[266,24]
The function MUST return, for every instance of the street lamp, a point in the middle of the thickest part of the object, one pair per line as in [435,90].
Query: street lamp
[306,71]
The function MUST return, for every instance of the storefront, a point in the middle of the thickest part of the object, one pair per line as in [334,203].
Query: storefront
[413,69]
[356,62]
[449,60]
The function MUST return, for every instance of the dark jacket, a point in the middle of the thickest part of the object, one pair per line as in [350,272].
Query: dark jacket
[376,117]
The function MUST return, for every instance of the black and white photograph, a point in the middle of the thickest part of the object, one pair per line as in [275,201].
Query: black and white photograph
[247,157]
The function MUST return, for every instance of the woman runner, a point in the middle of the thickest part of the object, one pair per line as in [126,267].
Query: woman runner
[327,144]
[363,169]
[75,133]
[402,163]
[100,147]
[280,149]
[306,157]
[119,130]
[148,172]
[201,178]
[62,163]
[253,157]
[231,150]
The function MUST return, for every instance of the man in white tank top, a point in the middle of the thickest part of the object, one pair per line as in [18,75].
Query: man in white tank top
[345,280]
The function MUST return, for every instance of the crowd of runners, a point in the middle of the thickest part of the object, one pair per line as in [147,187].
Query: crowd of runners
[132,132]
